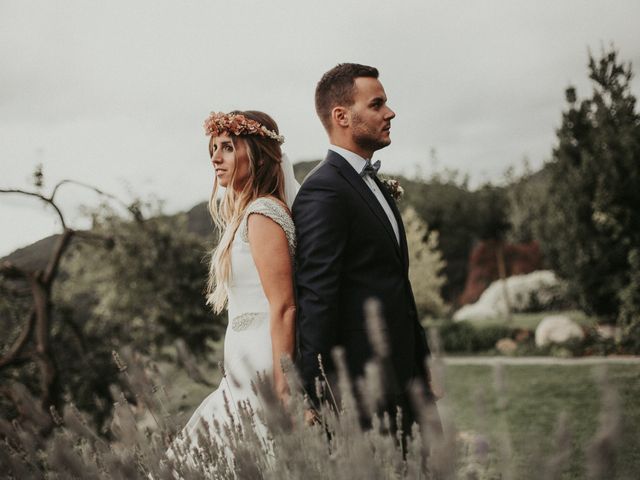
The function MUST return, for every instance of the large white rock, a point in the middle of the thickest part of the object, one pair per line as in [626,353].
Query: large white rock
[533,290]
[557,329]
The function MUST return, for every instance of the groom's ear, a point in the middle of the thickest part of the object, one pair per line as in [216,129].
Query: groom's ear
[340,116]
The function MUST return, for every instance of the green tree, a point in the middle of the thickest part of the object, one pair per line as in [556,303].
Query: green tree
[139,285]
[447,205]
[594,225]
[528,208]
[144,288]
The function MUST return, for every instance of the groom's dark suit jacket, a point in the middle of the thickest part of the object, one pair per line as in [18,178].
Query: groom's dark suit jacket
[347,253]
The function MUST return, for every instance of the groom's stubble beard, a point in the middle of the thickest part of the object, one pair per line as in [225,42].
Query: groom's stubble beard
[365,137]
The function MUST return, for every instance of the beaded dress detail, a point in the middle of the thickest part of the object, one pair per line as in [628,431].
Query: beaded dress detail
[247,343]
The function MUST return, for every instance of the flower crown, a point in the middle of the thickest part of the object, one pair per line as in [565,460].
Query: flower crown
[237,124]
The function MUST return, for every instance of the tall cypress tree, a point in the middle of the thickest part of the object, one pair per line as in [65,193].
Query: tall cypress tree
[594,195]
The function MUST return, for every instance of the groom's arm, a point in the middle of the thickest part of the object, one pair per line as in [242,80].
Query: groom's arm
[321,228]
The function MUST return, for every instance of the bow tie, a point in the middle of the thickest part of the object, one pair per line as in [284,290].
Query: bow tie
[370,169]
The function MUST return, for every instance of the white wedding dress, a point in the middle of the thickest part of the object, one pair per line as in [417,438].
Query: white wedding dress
[247,343]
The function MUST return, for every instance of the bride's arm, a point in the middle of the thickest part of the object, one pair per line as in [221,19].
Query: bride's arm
[270,252]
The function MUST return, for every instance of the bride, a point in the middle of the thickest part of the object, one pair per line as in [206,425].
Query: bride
[251,268]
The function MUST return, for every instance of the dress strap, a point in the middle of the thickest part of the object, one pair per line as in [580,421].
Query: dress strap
[275,211]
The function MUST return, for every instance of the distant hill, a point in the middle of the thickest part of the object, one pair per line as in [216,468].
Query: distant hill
[302,169]
[199,221]
[34,256]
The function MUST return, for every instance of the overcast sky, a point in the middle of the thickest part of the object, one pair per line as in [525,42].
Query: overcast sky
[115,93]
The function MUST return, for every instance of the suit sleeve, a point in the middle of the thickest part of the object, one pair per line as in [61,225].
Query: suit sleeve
[422,348]
[321,229]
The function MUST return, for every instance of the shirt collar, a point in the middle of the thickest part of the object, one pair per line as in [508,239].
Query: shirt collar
[353,159]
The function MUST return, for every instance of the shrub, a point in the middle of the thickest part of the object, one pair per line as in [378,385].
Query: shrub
[487,336]
[630,305]
[425,264]
[464,337]
[144,288]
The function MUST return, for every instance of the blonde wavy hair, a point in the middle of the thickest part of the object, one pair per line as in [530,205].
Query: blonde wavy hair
[266,178]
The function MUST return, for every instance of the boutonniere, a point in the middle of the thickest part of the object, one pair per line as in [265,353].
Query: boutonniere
[393,187]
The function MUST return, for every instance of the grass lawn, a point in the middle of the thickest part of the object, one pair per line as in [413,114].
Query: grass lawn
[535,395]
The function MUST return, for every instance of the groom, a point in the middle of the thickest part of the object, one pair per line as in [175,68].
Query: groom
[351,246]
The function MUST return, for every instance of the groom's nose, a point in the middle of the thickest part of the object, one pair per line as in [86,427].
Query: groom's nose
[390,114]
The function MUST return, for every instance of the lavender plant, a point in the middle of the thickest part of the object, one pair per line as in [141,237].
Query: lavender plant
[335,447]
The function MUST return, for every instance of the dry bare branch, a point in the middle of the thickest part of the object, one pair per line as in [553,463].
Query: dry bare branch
[68,181]
[48,200]
[54,262]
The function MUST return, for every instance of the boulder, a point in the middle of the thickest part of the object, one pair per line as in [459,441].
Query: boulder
[536,291]
[557,329]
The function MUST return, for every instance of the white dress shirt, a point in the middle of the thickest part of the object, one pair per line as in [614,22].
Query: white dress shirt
[358,163]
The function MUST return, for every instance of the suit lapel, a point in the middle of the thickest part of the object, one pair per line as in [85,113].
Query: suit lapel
[365,193]
[396,213]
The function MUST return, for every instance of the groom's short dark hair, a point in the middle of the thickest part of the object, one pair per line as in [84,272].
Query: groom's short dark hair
[336,87]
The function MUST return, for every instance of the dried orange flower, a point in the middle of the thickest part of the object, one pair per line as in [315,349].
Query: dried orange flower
[237,124]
